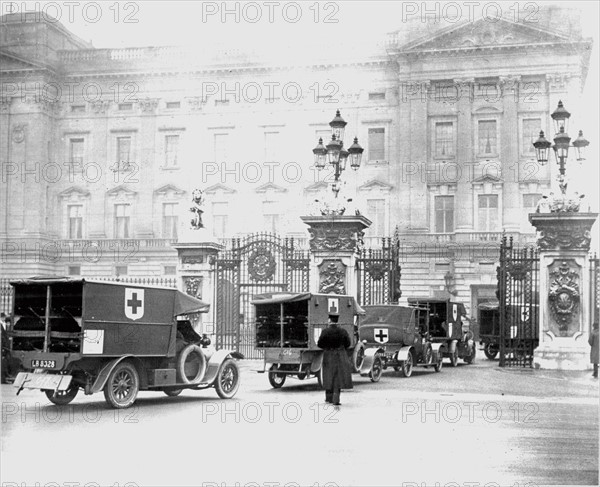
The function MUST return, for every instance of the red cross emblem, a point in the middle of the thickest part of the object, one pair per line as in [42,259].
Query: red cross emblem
[134,303]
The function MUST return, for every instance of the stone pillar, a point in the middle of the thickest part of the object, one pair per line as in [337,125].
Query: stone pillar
[564,241]
[195,273]
[334,241]
[464,154]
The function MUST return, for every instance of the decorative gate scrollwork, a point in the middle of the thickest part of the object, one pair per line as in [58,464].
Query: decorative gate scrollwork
[378,273]
[518,295]
[258,263]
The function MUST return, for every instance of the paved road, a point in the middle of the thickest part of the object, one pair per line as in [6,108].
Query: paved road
[470,425]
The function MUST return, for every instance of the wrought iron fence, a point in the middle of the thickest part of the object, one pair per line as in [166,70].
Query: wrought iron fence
[6,296]
[518,294]
[594,289]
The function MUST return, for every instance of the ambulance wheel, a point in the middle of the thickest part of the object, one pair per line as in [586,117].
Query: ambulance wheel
[320,377]
[276,380]
[454,358]
[228,379]
[172,392]
[406,366]
[376,369]
[61,398]
[358,356]
[122,387]
[440,362]
[491,350]
[469,358]
[191,364]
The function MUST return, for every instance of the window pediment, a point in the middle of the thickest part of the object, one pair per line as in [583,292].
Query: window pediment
[121,192]
[74,193]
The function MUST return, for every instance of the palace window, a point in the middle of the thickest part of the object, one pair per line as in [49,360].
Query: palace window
[171,150]
[170,220]
[444,140]
[220,211]
[377,96]
[73,270]
[444,214]
[488,213]
[122,220]
[123,151]
[531,131]
[76,148]
[487,135]
[272,146]
[376,213]
[271,216]
[220,142]
[377,144]
[75,221]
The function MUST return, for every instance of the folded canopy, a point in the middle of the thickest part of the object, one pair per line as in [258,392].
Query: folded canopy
[185,304]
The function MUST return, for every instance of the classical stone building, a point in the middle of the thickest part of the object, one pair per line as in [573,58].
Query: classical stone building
[101,148]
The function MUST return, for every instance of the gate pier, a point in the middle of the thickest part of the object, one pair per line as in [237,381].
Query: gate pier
[566,290]
[195,273]
[334,243]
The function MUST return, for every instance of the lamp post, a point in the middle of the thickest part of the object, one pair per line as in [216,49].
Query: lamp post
[562,142]
[335,154]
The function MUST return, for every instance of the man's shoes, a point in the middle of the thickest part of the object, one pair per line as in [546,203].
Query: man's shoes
[337,403]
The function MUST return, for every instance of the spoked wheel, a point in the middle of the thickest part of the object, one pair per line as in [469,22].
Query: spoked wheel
[491,350]
[122,386]
[454,358]
[358,356]
[427,354]
[276,380]
[406,366]
[228,379]
[440,362]
[172,392]
[61,398]
[376,369]
[320,377]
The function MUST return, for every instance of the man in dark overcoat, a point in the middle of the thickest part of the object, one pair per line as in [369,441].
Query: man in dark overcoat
[593,341]
[337,375]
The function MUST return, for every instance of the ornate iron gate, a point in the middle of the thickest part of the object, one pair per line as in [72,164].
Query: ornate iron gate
[518,294]
[256,264]
[378,273]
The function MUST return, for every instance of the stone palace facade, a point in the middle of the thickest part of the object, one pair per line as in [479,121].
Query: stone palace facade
[102,148]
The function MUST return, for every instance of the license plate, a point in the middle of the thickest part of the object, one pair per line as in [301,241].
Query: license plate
[29,380]
[43,364]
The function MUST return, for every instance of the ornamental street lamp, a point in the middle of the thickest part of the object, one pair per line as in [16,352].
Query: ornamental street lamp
[562,142]
[335,154]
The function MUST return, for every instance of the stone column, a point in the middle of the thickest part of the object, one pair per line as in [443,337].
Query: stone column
[334,241]
[564,242]
[464,154]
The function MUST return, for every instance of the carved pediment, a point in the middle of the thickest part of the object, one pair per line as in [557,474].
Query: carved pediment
[482,33]
[270,187]
[219,188]
[375,185]
[316,187]
[74,193]
[169,190]
[121,192]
